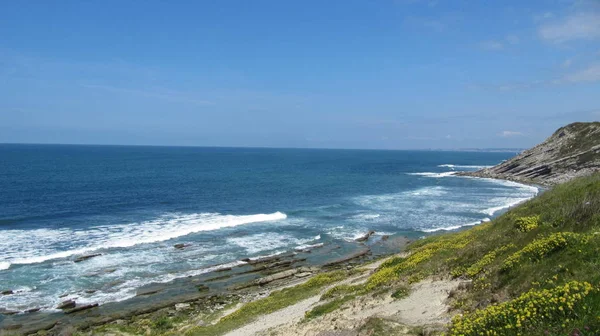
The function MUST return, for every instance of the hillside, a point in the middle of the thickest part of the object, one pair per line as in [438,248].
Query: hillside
[572,151]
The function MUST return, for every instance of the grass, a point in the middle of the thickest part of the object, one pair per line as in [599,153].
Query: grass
[536,248]
[276,301]
[328,307]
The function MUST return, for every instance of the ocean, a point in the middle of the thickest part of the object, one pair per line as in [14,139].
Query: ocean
[132,204]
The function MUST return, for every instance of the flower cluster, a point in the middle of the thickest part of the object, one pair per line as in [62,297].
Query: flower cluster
[541,247]
[526,224]
[533,310]
[391,269]
[487,259]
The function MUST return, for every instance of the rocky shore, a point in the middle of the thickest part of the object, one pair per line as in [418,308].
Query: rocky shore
[200,298]
[572,151]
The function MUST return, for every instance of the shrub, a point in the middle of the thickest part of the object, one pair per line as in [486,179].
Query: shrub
[532,312]
[487,259]
[541,247]
[526,224]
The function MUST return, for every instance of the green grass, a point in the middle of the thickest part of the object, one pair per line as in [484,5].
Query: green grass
[276,301]
[547,242]
[328,307]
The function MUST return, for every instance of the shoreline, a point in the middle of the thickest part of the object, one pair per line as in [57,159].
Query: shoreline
[219,283]
[209,291]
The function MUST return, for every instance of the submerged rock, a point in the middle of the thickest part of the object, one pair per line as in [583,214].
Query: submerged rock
[86,257]
[8,312]
[365,237]
[66,305]
[7,292]
[81,308]
[181,246]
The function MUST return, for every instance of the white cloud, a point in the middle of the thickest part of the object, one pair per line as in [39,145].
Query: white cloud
[567,63]
[492,45]
[589,74]
[543,16]
[512,39]
[508,134]
[578,26]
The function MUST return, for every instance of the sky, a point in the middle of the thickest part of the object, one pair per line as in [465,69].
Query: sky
[385,74]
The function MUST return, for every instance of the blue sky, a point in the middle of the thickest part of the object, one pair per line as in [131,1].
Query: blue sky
[390,74]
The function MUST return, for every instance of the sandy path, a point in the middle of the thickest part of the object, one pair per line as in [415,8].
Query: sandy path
[424,305]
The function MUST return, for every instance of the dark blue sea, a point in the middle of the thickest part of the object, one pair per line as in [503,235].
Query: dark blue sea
[132,204]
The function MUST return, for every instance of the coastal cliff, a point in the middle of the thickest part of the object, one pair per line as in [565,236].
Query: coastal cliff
[572,151]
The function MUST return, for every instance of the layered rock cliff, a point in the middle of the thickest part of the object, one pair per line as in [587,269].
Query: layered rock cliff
[572,151]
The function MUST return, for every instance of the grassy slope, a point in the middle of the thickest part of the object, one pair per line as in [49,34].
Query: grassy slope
[523,266]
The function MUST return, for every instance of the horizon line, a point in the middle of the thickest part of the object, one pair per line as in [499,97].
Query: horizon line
[468,149]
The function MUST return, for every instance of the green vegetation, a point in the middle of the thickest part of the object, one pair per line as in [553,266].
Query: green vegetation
[277,300]
[538,274]
[327,307]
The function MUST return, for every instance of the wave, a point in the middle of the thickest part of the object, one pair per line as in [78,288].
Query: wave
[366,216]
[23,246]
[4,265]
[491,211]
[267,241]
[308,247]
[452,166]
[450,228]
[435,175]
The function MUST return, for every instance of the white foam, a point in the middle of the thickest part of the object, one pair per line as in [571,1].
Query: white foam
[308,247]
[452,166]
[434,175]
[491,211]
[266,241]
[35,246]
[450,228]
[4,265]
[366,216]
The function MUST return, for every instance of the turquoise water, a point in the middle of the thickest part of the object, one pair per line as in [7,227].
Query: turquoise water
[132,204]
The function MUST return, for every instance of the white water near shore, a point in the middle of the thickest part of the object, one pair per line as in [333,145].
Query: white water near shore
[137,254]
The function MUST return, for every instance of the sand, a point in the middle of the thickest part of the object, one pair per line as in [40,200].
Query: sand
[424,306]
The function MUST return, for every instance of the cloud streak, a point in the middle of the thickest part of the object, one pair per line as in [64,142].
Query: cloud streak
[577,26]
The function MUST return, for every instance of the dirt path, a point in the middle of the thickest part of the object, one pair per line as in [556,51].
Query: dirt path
[425,305]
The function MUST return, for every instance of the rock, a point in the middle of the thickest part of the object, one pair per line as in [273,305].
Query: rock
[276,276]
[90,291]
[144,292]
[348,258]
[87,256]
[182,306]
[66,305]
[11,327]
[7,292]
[181,246]
[80,308]
[385,237]
[32,310]
[560,158]
[202,288]
[365,237]
[8,312]
[303,274]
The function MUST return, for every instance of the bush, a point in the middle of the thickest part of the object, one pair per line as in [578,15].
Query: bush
[534,313]
[526,224]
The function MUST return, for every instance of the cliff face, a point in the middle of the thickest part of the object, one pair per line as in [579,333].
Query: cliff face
[572,151]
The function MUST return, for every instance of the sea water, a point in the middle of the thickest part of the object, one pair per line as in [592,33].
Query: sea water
[132,204]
